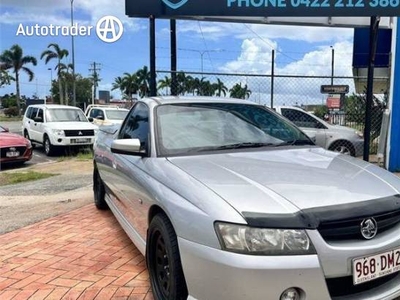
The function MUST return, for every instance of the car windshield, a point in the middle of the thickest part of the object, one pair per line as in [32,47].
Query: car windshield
[65,115]
[113,114]
[197,127]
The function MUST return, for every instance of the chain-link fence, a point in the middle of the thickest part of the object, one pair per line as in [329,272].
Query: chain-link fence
[333,121]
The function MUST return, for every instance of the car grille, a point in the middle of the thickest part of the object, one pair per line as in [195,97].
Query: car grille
[78,133]
[343,286]
[3,151]
[350,228]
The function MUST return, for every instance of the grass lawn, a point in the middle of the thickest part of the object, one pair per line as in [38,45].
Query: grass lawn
[17,177]
[10,119]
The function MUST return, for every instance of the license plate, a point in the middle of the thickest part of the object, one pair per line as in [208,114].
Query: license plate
[375,266]
[80,141]
[12,153]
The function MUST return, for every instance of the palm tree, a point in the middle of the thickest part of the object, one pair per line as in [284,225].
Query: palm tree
[118,85]
[66,77]
[220,88]
[143,75]
[130,84]
[165,84]
[58,54]
[237,91]
[5,77]
[14,59]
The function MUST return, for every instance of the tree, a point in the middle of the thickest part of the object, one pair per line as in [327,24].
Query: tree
[15,60]
[143,76]
[5,77]
[237,91]
[59,54]
[220,88]
[320,111]
[130,84]
[118,85]
[83,89]
[165,84]
[95,82]
[65,75]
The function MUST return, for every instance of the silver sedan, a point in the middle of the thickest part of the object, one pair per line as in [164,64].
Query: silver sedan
[228,200]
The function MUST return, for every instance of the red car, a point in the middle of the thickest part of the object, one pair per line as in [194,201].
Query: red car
[13,147]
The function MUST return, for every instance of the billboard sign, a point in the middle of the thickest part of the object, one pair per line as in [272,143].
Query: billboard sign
[261,8]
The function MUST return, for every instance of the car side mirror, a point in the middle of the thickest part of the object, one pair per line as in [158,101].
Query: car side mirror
[6,129]
[38,119]
[128,147]
[90,119]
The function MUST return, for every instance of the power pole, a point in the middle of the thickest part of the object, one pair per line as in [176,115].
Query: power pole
[94,68]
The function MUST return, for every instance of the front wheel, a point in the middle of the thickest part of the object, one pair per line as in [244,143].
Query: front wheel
[99,191]
[343,147]
[26,135]
[49,149]
[163,261]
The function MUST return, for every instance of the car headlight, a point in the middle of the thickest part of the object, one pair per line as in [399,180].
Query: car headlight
[360,134]
[263,241]
[59,132]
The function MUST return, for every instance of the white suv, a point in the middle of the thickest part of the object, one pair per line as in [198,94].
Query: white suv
[56,126]
[105,114]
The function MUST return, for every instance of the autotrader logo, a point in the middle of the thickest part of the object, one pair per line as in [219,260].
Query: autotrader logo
[109,29]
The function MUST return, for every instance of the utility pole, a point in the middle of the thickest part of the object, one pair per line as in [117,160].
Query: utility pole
[94,68]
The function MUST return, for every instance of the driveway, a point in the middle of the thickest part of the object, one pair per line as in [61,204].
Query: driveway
[54,243]
[80,255]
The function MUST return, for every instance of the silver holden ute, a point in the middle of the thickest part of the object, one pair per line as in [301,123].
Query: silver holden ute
[228,200]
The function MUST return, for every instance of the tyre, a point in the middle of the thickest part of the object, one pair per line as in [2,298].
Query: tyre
[163,261]
[99,191]
[343,147]
[26,135]
[49,149]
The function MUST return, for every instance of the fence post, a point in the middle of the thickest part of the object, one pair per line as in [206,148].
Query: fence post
[272,78]
[153,86]
[173,88]
[373,35]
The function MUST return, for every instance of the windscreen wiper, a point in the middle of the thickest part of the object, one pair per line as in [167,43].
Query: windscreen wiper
[237,146]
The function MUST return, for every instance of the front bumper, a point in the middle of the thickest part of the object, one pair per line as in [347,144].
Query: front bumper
[72,141]
[215,274]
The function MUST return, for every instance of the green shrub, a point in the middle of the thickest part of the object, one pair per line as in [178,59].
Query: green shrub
[11,111]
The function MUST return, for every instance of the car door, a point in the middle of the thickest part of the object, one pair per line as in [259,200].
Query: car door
[30,123]
[37,126]
[131,182]
[310,125]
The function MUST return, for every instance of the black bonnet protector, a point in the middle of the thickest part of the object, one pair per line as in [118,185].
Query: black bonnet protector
[312,217]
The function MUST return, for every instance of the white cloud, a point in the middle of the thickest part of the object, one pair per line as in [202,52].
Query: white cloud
[255,57]
[214,31]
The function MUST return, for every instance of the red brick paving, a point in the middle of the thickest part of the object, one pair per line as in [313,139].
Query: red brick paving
[80,255]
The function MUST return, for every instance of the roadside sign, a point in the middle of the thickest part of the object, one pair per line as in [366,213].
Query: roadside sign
[333,101]
[334,89]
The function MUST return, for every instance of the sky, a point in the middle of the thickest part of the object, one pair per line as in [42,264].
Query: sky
[217,47]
